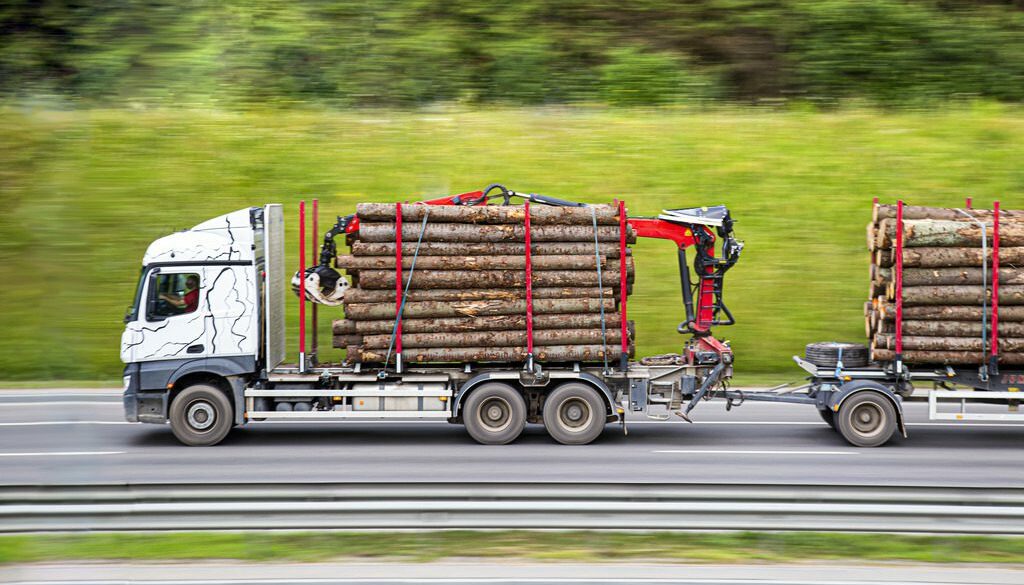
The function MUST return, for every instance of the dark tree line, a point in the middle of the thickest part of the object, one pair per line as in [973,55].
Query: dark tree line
[414,52]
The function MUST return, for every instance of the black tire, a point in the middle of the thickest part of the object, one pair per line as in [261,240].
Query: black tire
[574,414]
[826,354]
[828,416]
[494,414]
[201,415]
[866,419]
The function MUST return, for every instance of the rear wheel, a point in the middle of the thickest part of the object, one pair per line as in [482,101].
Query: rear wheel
[574,414]
[866,419]
[201,415]
[494,414]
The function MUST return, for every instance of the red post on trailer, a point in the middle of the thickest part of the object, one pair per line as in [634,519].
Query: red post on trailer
[529,287]
[398,288]
[624,358]
[969,202]
[302,285]
[994,363]
[314,346]
[899,286]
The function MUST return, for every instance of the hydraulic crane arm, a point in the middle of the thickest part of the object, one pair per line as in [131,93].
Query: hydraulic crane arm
[693,227]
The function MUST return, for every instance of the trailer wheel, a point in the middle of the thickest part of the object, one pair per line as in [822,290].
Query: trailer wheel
[828,416]
[574,414]
[866,419]
[201,415]
[495,414]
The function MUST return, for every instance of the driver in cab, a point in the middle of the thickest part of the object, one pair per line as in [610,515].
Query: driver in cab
[188,301]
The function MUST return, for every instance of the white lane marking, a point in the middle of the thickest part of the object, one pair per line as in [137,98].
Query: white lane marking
[504,580]
[40,423]
[750,452]
[68,402]
[678,423]
[4,394]
[62,453]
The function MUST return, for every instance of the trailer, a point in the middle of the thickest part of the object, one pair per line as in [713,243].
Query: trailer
[204,341]
[862,399]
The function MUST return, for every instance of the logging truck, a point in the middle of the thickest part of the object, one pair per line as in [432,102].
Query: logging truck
[205,339]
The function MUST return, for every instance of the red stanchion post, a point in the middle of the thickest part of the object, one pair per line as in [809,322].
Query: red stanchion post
[994,362]
[314,331]
[899,286]
[529,287]
[623,323]
[398,287]
[302,286]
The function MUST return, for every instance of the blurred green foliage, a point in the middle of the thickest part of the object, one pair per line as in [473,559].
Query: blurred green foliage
[388,53]
[85,192]
[671,547]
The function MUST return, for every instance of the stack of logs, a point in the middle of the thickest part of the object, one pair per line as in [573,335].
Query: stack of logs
[947,285]
[467,299]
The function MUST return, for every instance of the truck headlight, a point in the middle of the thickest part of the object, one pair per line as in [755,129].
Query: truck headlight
[127,382]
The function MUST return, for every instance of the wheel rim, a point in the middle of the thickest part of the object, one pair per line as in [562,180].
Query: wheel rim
[495,413]
[200,415]
[867,419]
[575,415]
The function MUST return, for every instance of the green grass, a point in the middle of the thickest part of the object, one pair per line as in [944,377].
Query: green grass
[726,547]
[84,192]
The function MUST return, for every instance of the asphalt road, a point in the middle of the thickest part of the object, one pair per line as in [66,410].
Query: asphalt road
[81,437]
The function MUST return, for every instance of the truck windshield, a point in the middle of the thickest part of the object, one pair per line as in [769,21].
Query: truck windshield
[133,309]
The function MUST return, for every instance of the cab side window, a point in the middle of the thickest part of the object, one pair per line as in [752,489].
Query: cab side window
[173,294]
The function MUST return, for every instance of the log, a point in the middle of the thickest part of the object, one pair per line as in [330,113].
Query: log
[548,353]
[426,279]
[491,214]
[926,232]
[959,276]
[495,338]
[359,295]
[884,211]
[958,328]
[915,342]
[887,312]
[430,309]
[959,295]
[931,257]
[946,357]
[610,250]
[871,236]
[342,327]
[461,232]
[578,262]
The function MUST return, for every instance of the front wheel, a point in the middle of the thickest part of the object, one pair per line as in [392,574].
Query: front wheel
[866,419]
[495,414]
[201,415]
[574,414]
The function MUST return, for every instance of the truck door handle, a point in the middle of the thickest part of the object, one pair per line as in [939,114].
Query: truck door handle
[198,348]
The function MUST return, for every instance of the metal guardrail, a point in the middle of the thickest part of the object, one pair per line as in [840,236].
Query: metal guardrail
[563,506]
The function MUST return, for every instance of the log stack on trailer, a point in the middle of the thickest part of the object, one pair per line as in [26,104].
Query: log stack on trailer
[946,285]
[495,283]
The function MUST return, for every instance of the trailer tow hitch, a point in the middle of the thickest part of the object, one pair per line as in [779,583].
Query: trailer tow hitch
[709,382]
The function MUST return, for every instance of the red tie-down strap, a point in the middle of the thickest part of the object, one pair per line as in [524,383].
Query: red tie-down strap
[398,284]
[898,277]
[529,285]
[624,359]
[994,362]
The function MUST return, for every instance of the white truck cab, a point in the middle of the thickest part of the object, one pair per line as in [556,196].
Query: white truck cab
[195,316]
